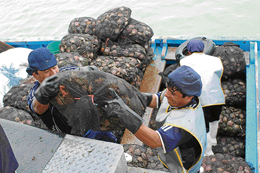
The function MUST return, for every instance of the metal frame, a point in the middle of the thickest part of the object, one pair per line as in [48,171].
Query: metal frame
[252,106]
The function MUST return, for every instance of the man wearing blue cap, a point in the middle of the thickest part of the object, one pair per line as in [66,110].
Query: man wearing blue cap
[212,98]
[43,67]
[181,136]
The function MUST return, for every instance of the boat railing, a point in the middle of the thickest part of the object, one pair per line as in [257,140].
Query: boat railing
[252,107]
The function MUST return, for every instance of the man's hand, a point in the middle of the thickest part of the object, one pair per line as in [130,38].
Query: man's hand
[48,89]
[127,117]
[149,98]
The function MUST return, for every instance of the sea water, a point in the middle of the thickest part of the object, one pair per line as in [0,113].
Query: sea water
[32,19]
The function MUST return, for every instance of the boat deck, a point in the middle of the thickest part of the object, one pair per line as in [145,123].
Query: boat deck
[164,50]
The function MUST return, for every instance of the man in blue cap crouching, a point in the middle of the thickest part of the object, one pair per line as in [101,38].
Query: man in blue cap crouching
[43,65]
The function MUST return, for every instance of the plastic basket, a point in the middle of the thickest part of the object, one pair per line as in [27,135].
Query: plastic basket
[54,47]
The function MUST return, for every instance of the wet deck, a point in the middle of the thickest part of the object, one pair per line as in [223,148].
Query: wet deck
[151,83]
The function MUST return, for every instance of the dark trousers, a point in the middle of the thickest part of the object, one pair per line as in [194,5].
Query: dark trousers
[211,113]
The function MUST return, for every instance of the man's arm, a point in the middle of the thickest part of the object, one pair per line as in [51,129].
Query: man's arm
[38,107]
[153,103]
[148,136]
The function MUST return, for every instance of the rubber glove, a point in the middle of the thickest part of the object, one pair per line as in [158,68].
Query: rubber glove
[48,89]
[127,117]
[149,98]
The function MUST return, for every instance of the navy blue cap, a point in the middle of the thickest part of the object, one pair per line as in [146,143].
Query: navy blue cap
[187,80]
[195,45]
[40,59]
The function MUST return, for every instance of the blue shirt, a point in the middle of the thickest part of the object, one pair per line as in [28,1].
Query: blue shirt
[173,136]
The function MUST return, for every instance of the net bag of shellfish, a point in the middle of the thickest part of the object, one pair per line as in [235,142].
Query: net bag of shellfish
[127,49]
[110,48]
[232,122]
[150,159]
[235,92]
[111,23]
[72,58]
[16,115]
[82,94]
[232,58]
[230,145]
[82,25]
[225,163]
[86,45]
[123,67]
[137,31]
[17,97]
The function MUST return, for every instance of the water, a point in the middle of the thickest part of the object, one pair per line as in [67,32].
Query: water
[49,19]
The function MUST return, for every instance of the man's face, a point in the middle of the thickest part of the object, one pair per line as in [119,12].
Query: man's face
[175,98]
[46,73]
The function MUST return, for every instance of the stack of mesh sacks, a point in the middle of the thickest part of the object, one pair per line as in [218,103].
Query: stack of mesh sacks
[229,153]
[231,131]
[114,42]
[16,107]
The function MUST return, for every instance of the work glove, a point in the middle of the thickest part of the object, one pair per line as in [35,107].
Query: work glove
[48,89]
[127,117]
[149,98]
[104,136]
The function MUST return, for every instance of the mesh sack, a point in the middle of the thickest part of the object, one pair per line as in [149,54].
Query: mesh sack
[164,74]
[86,45]
[125,48]
[235,92]
[225,163]
[110,48]
[144,157]
[147,46]
[73,58]
[16,115]
[94,84]
[111,23]
[232,122]
[137,31]
[17,97]
[232,58]
[127,41]
[230,145]
[82,25]
[123,67]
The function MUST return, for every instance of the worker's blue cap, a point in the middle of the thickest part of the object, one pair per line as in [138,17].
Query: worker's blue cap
[40,59]
[195,45]
[187,80]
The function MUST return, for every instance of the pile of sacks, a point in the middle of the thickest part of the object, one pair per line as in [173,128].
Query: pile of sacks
[114,42]
[232,124]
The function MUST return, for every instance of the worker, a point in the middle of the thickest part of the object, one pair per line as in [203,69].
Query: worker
[8,162]
[181,135]
[43,67]
[212,98]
